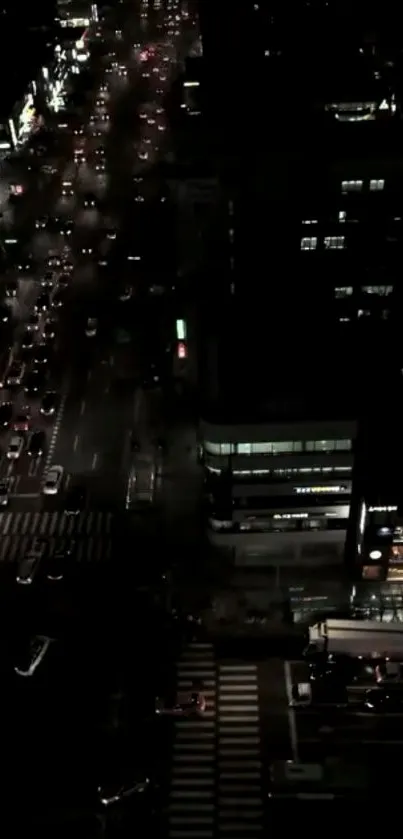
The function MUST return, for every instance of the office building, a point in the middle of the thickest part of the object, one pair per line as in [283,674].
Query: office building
[77,14]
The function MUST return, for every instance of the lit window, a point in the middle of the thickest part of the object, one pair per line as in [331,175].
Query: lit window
[310,221]
[309,243]
[328,445]
[352,186]
[261,448]
[334,243]
[244,448]
[343,291]
[218,448]
[376,185]
[342,215]
[379,290]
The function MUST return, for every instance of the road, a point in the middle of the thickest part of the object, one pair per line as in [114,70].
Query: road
[96,379]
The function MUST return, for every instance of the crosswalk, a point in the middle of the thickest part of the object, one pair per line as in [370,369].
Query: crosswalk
[88,535]
[191,812]
[239,760]
[216,774]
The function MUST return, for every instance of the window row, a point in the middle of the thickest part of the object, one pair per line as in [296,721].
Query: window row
[331,243]
[375,290]
[279,447]
[375,185]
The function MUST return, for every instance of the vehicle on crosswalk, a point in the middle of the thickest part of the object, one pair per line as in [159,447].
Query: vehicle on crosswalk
[75,501]
[28,566]
[31,655]
[53,480]
[115,793]
[184,705]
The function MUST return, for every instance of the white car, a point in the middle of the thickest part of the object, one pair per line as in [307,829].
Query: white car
[53,480]
[15,447]
[33,655]
[125,294]
[91,328]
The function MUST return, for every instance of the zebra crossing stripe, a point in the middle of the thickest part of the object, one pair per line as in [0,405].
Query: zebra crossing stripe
[18,528]
[239,803]
[192,794]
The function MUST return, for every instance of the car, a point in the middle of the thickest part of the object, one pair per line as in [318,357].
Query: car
[26,265]
[143,155]
[53,480]
[384,699]
[89,201]
[58,298]
[64,281]
[110,794]
[85,251]
[6,413]
[49,404]
[139,199]
[29,565]
[36,445]
[67,186]
[22,420]
[100,167]
[15,447]
[110,234]
[79,131]
[4,493]
[31,655]
[34,382]
[54,260]
[99,152]
[68,266]
[41,354]
[49,329]
[15,374]
[66,228]
[4,313]
[74,501]
[11,288]
[91,328]
[33,322]
[48,280]
[41,223]
[27,340]
[42,303]
[184,705]
[126,294]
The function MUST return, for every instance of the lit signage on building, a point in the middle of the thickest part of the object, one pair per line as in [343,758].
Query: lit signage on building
[74,22]
[320,489]
[382,509]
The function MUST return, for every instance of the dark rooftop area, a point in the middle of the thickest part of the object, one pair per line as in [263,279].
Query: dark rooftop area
[259,362]
[19,67]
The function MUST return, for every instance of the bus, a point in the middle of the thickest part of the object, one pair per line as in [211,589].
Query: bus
[367,639]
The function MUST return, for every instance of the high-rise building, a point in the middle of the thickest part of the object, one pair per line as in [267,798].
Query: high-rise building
[301,305]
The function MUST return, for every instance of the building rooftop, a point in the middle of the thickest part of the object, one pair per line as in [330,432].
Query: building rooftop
[273,367]
[21,67]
